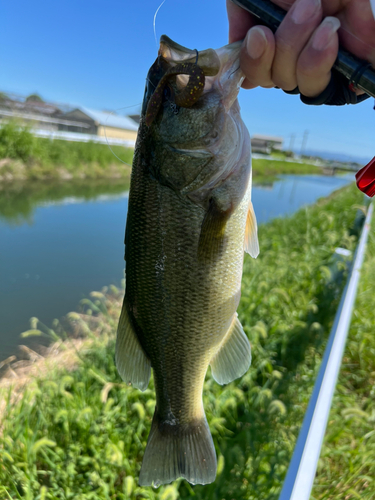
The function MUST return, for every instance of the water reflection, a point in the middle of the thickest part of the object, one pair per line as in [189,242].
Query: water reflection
[18,201]
[290,192]
[58,242]
[56,245]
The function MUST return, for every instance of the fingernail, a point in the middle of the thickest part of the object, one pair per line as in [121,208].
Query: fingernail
[305,10]
[256,43]
[325,32]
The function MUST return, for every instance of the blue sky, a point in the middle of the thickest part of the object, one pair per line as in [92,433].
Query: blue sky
[97,54]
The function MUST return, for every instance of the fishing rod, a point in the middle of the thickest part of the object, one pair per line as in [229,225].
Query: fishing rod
[354,69]
[358,72]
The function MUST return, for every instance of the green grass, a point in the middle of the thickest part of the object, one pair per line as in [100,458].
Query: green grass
[282,154]
[82,434]
[347,466]
[265,170]
[32,158]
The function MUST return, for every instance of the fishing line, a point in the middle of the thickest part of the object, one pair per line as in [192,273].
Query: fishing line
[113,113]
[365,44]
[156,13]
[126,107]
[105,130]
[332,138]
[285,4]
[233,72]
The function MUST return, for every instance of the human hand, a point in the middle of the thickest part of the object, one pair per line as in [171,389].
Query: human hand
[303,49]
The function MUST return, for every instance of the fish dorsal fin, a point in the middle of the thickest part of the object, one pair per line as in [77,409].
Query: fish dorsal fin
[234,356]
[251,245]
[132,363]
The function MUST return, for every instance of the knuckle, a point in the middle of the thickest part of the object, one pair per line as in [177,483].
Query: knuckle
[306,70]
[284,82]
[258,79]
[287,45]
[268,85]
[312,87]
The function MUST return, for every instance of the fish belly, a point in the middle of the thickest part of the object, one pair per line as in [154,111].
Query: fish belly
[182,307]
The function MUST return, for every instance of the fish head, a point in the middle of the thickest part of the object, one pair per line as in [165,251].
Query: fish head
[199,132]
[221,66]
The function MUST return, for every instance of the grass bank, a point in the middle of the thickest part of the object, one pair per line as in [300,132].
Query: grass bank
[266,170]
[24,157]
[347,467]
[81,433]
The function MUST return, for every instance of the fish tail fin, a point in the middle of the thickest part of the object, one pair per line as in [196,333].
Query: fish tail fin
[178,450]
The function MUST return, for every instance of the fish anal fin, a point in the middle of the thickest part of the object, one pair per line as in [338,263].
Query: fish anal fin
[212,239]
[251,244]
[132,362]
[178,450]
[234,356]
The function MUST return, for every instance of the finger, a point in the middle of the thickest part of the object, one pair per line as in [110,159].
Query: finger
[316,60]
[357,33]
[330,7]
[256,58]
[291,37]
[240,21]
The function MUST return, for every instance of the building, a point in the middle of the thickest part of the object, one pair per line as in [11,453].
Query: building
[266,143]
[136,118]
[64,122]
[34,112]
[102,123]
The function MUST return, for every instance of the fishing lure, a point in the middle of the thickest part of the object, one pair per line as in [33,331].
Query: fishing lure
[188,95]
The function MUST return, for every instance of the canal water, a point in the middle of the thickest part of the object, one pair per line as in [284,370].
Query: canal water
[59,242]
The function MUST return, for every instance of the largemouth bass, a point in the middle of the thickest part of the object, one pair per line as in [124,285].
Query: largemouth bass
[190,218]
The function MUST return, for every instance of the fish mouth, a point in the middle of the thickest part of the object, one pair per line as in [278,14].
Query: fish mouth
[221,66]
[193,73]
[175,53]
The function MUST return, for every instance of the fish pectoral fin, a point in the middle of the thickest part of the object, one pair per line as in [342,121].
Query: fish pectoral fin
[212,236]
[234,356]
[251,245]
[132,362]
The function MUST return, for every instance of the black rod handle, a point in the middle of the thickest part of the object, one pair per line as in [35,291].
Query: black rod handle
[346,63]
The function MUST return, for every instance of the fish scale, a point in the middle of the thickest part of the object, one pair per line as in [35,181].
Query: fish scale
[189,219]
[203,312]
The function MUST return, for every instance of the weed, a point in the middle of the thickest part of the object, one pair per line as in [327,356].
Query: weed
[57,159]
[81,434]
[45,159]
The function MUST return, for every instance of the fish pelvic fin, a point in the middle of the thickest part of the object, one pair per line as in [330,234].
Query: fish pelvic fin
[251,245]
[234,356]
[132,362]
[178,450]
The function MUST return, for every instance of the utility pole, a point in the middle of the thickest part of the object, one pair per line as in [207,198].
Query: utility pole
[304,142]
[291,143]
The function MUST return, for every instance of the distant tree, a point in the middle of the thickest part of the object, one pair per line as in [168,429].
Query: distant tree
[34,98]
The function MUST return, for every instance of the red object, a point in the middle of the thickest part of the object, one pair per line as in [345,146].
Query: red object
[366,178]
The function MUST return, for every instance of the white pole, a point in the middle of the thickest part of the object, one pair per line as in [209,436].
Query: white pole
[301,473]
